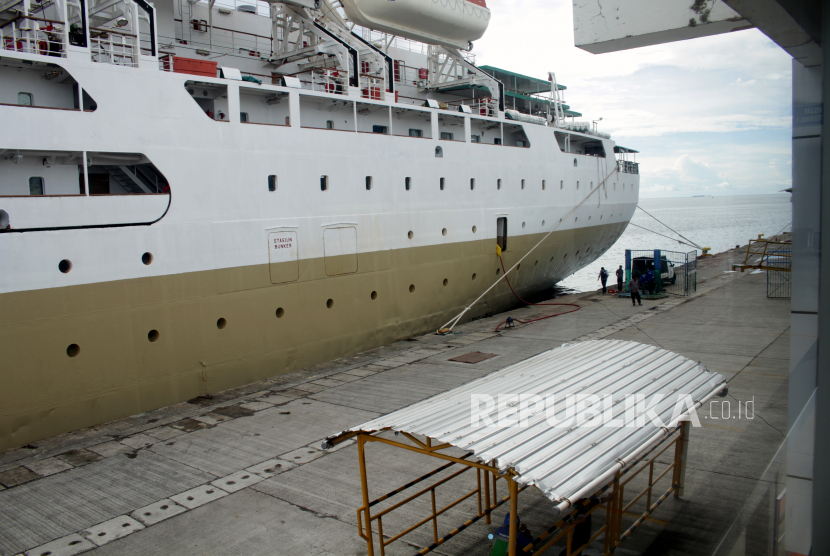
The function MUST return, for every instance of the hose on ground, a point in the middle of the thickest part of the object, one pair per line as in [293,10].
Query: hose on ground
[510,319]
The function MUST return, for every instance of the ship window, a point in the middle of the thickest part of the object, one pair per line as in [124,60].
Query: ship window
[272,183]
[368,183]
[520,143]
[577,184]
[25,99]
[543,185]
[472,183]
[501,232]
[498,183]
[475,139]
[243,117]
[408,183]
[574,162]
[442,184]
[329,124]
[416,132]
[35,186]
[439,152]
[380,129]
[497,141]
[446,135]
[561,184]
[324,183]
[523,184]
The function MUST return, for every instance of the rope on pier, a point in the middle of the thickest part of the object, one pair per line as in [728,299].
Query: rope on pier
[447,328]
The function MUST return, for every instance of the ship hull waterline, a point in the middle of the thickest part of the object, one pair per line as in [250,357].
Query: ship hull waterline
[267,329]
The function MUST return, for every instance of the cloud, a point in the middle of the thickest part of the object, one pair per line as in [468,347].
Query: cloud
[691,171]
[657,188]
[708,98]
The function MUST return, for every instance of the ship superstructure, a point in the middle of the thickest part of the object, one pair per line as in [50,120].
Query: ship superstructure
[194,195]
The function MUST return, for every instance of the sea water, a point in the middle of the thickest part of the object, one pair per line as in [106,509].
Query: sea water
[717,222]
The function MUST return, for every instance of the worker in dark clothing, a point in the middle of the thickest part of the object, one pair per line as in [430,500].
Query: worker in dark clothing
[634,288]
[648,283]
[620,274]
[603,277]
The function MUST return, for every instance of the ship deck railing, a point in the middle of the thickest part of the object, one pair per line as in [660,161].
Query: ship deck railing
[34,35]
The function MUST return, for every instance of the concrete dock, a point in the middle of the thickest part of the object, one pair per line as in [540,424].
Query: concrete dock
[244,473]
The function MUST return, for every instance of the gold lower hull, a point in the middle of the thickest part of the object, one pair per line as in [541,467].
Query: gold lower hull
[118,371]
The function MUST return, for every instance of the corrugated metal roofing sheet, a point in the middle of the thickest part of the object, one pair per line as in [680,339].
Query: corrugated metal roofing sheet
[566,461]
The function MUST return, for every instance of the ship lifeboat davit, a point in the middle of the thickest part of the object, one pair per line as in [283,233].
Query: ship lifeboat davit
[454,23]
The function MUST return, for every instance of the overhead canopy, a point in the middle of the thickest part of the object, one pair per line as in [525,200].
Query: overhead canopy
[518,82]
[565,461]
[619,149]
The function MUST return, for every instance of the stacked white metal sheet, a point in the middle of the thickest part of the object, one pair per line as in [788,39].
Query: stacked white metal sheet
[625,397]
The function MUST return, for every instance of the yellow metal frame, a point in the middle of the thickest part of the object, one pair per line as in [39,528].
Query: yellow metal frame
[610,497]
[759,247]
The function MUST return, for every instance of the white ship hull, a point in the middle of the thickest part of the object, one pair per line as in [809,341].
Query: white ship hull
[215,308]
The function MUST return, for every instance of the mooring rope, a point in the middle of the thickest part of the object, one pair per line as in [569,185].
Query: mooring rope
[690,242]
[447,328]
[659,234]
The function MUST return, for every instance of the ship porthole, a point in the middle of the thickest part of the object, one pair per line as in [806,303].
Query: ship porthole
[498,271]
[329,303]
[410,235]
[221,323]
[65,266]
[446,282]
[523,224]
[73,350]
[153,335]
[474,275]
[474,229]
[374,295]
[147,258]
[543,223]
[443,231]
[518,267]
[411,288]
[280,313]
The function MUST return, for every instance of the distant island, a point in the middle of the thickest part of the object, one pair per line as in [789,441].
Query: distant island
[701,195]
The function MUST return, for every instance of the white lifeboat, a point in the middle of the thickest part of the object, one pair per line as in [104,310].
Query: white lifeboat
[453,23]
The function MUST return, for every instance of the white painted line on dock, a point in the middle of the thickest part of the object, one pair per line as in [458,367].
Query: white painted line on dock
[271,467]
[303,455]
[111,530]
[237,481]
[199,496]
[157,512]
[66,546]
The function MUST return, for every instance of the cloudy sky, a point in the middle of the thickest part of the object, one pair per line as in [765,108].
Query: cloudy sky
[709,116]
